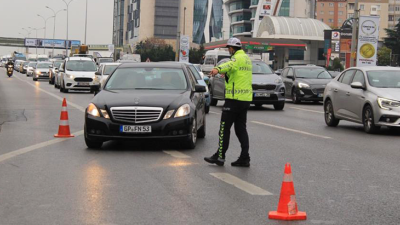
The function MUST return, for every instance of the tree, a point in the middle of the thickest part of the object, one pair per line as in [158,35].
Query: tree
[384,56]
[156,50]
[195,55]
[393,40]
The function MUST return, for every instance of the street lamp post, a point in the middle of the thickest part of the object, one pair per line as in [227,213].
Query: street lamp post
[86,21]
[184,20]
[45,27]
[54,29]
[354,35]
[36,29]
[66,43]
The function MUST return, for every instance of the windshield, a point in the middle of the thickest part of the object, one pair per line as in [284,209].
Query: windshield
[26,63]
[57,64]
[147,78]
[105,60]
[32,64]
[81,65]
[261,68]
[312,73]
[42,59]
[43,65]
[109,69]
[221,57]
[384,79]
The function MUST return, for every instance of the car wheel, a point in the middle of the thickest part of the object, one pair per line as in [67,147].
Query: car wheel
[279,105]
[64,89]
[207,109]
[368,121]
[201,133]
[330,118]
[192,139]
[93,144]
[295,97]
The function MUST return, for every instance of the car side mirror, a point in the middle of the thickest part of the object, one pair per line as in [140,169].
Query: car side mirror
[200,88]
[97,73]
[357,85]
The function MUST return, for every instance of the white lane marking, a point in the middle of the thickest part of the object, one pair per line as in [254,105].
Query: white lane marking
[308,110]
[291,130]
[241,184]
[177,154]
[34,147]
[55,96]
[215,113]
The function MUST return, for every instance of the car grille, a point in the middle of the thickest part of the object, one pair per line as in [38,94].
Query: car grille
[83,79]
[268,87]
[136,114]
[318,90]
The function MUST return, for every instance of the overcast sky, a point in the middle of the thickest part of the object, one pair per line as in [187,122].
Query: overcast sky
[18,14]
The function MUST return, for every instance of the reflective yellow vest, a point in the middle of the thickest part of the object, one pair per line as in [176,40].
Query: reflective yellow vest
[238,86]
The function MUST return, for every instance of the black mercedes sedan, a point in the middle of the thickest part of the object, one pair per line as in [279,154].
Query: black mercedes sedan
[305,83]
[147,101]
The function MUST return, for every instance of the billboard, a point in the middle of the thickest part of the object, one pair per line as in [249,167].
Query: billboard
[184,49]
[49,43]
[368,36]
[267,7]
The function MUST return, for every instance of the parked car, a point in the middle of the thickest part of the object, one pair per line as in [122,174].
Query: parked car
[77,73]
[31,68]
[53,70]
[147,101]
[365,95]
[41,70]
[268,87]
[103,72]
[305,83]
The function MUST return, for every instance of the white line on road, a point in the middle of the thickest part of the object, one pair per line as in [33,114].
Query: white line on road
[177,154]
[291,130]
[308,110]
[34,147]
[55,96]
[241,184]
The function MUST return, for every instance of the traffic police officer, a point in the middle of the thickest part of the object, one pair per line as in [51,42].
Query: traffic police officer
[238,95]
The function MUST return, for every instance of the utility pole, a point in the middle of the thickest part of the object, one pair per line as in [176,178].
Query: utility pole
[354,35]
[86,21]
[178,35]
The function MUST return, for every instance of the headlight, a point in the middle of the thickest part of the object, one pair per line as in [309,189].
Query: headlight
[92,110]
[69,76]
[105,113]
[38,72]
[184,110]
[385,103]
[303,85]
[168,114]
[278,81]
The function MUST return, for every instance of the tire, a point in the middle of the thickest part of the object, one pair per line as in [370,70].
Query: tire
[295,97]
[93,144]
[330,118]
[368,121]
[190,142]
[64,90]
[279,105]
[207,109]
[201,133]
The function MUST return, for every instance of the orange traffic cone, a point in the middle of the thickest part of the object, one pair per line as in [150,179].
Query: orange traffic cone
[287,207]
[63,129]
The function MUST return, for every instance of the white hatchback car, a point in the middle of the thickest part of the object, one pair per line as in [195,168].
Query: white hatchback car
[77,73]
[104,71]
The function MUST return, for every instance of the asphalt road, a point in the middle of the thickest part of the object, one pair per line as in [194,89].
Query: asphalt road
[341,175]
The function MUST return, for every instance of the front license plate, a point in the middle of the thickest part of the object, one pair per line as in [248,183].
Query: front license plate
[135,129]
[262,95]
[83,84]
[321,95]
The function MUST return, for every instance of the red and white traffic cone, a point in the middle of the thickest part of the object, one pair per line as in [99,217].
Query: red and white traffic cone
[63,129]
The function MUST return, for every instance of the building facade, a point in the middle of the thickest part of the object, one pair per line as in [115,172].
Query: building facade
[332,12]
[207,21]
[372,8]
[137,20]
[394,13]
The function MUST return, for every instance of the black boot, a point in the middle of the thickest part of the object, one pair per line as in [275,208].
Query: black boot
[241,162]
[214,159]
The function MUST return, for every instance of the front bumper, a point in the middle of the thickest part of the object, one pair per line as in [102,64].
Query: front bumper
[82,85]
[275,97]
[310,95]
[102,129]
[41,76]
[384,117]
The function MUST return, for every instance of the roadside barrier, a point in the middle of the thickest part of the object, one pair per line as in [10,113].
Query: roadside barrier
[287,206]
[63,129]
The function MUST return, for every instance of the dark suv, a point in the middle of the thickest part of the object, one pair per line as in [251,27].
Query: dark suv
[305,83]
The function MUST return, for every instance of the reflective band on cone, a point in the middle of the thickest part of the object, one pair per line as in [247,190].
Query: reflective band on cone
[287,206]
[63,129]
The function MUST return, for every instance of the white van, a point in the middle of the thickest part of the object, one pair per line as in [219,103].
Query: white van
[77,73]
[212,57]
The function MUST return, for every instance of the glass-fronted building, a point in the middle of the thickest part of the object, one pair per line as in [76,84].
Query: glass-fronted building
[207,25]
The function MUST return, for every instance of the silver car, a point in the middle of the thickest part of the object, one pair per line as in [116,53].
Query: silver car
[365,95]
[41,70]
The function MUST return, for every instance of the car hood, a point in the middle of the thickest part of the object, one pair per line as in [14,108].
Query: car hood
[42,70]
[314,81]
[167,99]
[265,79]
[81,74]
[390,93]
